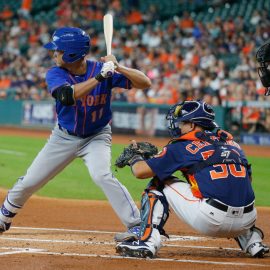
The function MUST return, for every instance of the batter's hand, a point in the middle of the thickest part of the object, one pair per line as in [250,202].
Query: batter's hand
[107,69]
[112,58]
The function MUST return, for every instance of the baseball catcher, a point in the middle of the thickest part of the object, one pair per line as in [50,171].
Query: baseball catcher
[216,199]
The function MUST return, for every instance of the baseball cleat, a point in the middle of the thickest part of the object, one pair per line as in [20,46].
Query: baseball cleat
[137,249]
[130,235]
[4,226]
[257,250]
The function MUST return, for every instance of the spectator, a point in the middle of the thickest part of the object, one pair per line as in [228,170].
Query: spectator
[185,57]
[6,14]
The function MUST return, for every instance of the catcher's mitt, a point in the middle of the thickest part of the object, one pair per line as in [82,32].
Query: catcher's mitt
[144,149]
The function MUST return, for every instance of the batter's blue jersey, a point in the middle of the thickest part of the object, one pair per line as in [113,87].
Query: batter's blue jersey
[229,183]
[92,112]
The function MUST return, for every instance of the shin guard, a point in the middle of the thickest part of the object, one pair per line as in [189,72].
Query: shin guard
[154,213]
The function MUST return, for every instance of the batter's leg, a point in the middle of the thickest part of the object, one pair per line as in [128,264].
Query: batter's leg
[55,155]
[97,157]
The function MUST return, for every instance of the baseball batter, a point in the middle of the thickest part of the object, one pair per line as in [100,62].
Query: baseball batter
[217,199]
[82,90]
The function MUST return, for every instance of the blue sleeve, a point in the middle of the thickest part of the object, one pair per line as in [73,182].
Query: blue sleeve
[168,161]
[121,81]
[56,77]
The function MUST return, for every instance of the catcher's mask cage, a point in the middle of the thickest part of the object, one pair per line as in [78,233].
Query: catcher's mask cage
[74,42]
[197,112]
[263,58]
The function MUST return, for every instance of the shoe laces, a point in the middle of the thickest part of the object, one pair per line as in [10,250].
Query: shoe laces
[135,230]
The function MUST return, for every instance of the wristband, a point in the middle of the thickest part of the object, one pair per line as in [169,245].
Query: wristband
[135,159]
[99,77]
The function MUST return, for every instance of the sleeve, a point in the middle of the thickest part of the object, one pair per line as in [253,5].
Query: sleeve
[55,78]
[243,156]
[121,81]
[168,161]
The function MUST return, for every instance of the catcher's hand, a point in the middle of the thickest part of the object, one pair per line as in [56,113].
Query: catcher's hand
[144,149]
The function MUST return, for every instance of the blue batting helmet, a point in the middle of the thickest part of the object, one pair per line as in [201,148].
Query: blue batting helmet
[197,112]
[74,42]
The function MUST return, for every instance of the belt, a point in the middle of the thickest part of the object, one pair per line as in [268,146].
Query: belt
[224,207]
[74,134]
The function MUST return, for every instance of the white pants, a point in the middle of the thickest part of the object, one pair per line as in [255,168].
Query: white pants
[205,218]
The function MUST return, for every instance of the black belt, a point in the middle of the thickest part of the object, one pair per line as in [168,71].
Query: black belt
[74,134]
[224,207]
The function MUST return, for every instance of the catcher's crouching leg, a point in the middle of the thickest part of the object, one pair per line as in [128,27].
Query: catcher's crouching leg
[251,242]
[154,214]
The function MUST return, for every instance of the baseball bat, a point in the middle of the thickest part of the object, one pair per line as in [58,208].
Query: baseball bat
[108,32]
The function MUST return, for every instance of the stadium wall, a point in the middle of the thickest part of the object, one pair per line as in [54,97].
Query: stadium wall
[128,118]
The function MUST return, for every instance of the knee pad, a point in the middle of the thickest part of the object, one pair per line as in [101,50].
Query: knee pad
[253,235]
[154,213]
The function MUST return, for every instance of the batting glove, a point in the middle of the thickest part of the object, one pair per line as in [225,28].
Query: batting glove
[106,71]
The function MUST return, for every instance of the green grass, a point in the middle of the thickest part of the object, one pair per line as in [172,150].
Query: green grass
[74,181]
[261,179]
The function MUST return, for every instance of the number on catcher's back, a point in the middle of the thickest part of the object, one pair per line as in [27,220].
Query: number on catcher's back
[223,170]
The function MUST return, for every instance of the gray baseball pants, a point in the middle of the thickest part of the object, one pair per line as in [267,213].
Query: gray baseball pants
[60,150]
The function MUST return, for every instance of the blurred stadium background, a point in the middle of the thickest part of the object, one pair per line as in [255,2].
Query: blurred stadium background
[202,49]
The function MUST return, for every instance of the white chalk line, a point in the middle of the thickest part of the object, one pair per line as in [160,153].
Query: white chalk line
[19,250]
[42,251]
[10,152]
[56,241]
[22,249]
[11,252]
[172,237]
[33,251]
[102,243]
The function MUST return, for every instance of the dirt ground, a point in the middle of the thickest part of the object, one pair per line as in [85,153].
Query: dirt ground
[75,234]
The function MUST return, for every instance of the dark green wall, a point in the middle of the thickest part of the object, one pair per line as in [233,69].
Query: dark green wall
[11,112]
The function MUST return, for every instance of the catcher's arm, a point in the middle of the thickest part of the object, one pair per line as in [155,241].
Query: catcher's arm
[141,170]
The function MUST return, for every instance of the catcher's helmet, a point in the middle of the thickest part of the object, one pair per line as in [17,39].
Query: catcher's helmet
[263,58]
[74,42]
[197,112]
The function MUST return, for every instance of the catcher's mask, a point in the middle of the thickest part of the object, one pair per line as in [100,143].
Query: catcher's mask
[263,58]
[197,112]
[74,42]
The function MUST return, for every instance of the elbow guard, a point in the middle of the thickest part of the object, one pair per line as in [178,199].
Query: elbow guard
[65,94]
